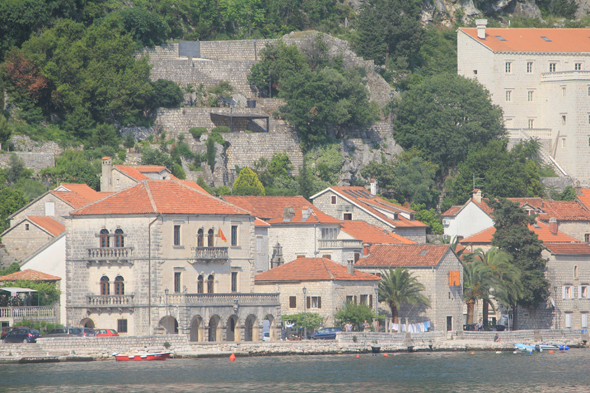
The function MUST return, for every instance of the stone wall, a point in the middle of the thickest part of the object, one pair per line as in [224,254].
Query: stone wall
[113,344]
[34,161]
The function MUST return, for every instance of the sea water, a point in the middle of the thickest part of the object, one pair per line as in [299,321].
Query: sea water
[407,372]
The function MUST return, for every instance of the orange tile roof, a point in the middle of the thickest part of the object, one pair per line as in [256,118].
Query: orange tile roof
[194,185]
[585,197]
[452,211]
[361,197]
[30,275]
[530,39]
[137,171]
[564,211]
[543,233]
[372,234]
[160,196]
[259,223]
[49,224]
[312,269]
[569,248]
[406,255]
[78,195]
[272,208]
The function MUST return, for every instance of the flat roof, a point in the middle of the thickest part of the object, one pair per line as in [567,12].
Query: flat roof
[240,116]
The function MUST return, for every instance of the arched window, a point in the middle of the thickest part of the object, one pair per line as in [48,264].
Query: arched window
[200,238]
[210,238]
[576,271]
[119,286]
[210,284]
[119,240]
[200,284]
[104,238]
[104,286]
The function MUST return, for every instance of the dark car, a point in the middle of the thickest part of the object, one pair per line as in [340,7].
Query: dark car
[9,329]
[22,335]
[328,333]
[88,332]
[106,332]
[65,332]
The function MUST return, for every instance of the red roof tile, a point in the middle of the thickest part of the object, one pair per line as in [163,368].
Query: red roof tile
[272,208]
[543,233]
[137,171]
[160,196]
[452,211]
[49,224]
[406,255]
[584,198]
[30,275]
[362,198]
[194,185]
[569,248]
[564,211]
[312,269]
[259,223]
[530,39]
[78,195]
[372,234]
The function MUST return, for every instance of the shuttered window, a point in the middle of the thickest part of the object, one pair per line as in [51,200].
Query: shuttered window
[292,301]
[454,278]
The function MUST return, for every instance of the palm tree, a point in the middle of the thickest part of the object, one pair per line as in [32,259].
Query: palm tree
[476,285]
[399,286]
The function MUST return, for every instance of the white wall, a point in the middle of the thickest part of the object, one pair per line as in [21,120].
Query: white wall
[468,222]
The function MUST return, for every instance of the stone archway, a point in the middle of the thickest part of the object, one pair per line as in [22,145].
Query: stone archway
[232,330]
[214,328]
[273,329]
[251,329]
[197,329]
[170,325]
[87,323]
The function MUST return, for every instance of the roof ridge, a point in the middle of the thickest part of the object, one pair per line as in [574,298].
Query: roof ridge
[149,194]
[327,269]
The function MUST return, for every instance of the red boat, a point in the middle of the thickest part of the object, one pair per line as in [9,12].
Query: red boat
[141,356]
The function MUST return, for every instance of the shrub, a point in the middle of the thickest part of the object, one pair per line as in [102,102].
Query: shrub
[196,132]
[223,129]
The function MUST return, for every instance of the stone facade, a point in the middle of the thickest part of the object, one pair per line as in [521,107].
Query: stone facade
[446,302]
[577,229]
[25,239]
[541,93]
[161,280]
[47,205]
[333,295]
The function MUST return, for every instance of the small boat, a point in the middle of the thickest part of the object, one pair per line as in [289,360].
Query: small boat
[525,348]
[546,347]
[124,357]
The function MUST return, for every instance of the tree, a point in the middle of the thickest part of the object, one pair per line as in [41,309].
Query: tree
[310,320]
[371,42]
[356,314]
[248,183]
[476,286]
[147,28]
[514,237]
[568,194]
[72,167]
[16,169]
[446,117]
[11,200]
[5,130]
[129,141]
[167,94]
[400,286]
[151,156]
[105,135]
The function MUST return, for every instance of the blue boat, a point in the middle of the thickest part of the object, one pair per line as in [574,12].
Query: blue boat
[525,348]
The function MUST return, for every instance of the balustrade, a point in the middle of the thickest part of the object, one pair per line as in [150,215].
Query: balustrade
[340,243]
[220,299]
[110,300]
[211,253]
[46,313]
[110,253]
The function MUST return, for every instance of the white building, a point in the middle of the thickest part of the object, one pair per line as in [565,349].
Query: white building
[541,80]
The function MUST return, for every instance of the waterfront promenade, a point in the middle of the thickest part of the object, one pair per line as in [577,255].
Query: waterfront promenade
[102,348]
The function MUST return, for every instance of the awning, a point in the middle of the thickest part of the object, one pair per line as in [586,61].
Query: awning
[17,290]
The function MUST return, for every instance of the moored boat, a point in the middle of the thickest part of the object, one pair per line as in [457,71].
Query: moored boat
[125,357]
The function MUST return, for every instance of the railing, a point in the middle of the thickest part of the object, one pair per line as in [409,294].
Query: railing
[565,76]
[220,299]
[109,300]
[109,253]
[340,243]
[525,133]
[211,253]
[17,313]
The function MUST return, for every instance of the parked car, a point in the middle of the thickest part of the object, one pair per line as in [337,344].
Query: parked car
[9,329]
[328,333]
[88,332]
[22,335]
[266,336]
[65,332]
[105,332]
[469,327]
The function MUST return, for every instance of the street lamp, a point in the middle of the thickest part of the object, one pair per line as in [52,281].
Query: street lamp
[304,313]
[167,313]
[255,54]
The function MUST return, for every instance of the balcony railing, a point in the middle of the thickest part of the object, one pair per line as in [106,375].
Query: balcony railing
[525,133]
[211,253]
[565,76]
[109,253]
[109,300]
[220,299]
[340,243]
[40,313]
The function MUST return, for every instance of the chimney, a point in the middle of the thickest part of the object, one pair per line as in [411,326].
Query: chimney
[350,267]
[374,183]
[553,225]
[305,213]
[106,178]
[476,195]
[288,213]
[481,28]
[365,249]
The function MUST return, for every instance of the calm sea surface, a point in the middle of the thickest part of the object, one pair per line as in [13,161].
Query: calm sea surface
[417,372]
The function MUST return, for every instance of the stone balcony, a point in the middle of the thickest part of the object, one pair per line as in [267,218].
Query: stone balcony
[110,254]
[109,301]
[564,76]
[39,313]
[340,244]
[210,254]
[219,299]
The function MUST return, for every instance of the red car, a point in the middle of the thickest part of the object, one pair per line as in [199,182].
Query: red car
[105,332]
